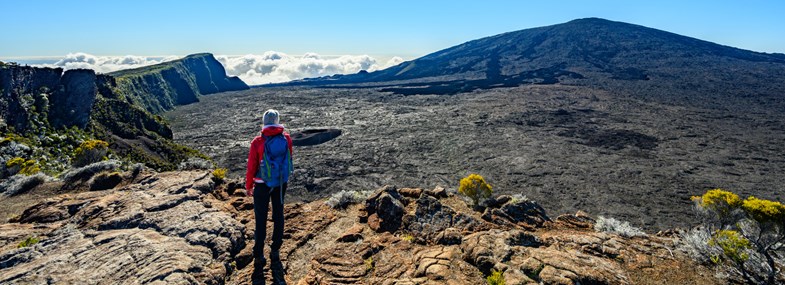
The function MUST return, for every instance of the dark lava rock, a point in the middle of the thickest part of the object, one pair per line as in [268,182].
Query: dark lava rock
[385,210]
[432,219]
[496,202]
[314,136]
[527,214]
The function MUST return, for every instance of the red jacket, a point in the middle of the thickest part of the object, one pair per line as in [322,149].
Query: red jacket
[257,151]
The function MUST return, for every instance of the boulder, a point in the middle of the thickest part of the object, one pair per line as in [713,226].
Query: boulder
[385,210]
[496,202]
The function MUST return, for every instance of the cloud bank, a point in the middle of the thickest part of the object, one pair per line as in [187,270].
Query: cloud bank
[105,64]
[254,69]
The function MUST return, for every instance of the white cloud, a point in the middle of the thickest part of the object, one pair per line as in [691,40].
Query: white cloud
[105,64]
[254,69]
[274,67]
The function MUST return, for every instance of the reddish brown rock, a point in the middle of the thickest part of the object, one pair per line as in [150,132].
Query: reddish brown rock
[438,192]
[352,234]
[411,192]
[578,220]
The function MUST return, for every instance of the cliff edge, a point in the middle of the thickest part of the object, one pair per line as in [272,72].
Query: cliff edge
[160,87]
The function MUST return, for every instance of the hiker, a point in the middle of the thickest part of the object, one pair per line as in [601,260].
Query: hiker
[269,167]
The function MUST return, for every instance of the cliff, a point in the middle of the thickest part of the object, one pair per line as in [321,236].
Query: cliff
[183,227]
[160,87]
[36,97]
[43,103]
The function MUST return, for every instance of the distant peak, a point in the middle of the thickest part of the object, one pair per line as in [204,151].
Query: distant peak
[202,54]
[591,19]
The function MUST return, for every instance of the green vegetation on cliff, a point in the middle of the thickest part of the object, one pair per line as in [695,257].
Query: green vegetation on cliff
[160,87]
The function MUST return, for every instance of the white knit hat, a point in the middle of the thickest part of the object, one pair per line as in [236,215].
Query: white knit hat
[270,117]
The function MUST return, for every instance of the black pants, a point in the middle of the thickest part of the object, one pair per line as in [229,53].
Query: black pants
[262,196]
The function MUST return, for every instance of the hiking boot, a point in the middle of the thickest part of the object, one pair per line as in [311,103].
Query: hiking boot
[278,273]
[257,277]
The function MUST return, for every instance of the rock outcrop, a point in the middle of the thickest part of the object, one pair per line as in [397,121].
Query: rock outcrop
[164,228]
[180,227]
[160,87]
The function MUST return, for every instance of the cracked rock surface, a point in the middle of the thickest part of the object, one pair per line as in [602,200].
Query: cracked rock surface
[184,228]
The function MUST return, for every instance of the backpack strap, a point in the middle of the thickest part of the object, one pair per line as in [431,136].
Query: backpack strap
[265,156]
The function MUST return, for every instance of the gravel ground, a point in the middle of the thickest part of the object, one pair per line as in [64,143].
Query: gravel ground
[570,148]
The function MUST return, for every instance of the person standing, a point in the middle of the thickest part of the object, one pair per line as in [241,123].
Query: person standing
[266,179]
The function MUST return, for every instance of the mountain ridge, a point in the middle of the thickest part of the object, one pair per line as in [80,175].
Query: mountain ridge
[589,51]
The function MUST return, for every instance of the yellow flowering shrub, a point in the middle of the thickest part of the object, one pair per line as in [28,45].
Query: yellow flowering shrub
[219,174]
[90,151]
[16,161]
[764,210]
[475,187]
[25,167]
[733,245]
[719,200]
[496,278]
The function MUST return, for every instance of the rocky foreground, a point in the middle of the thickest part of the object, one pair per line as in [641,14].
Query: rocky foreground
[183,227]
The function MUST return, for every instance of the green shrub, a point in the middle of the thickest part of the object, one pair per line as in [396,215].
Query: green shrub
[733,245]
[30,241]
[475,187]
[496,278]
[90,151]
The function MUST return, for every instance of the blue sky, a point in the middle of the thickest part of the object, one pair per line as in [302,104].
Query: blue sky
[381,28]
[407,29]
